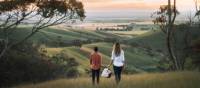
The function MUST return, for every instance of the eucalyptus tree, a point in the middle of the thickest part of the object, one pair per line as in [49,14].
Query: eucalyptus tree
[165,17]
[38,13]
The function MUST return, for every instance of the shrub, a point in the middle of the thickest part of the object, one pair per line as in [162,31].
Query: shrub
[24,63]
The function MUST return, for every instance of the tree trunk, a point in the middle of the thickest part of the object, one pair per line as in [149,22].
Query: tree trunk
[169,35]
[170,50]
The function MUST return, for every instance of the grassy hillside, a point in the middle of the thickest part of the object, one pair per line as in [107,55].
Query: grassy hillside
[135,57]
[137,60]
[156,40]
[154,80]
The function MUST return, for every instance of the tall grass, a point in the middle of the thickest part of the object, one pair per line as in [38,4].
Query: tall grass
[153,80]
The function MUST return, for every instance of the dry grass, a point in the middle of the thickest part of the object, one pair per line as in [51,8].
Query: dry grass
[154,80]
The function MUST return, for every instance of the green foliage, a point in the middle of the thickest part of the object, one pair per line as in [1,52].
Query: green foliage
[29,63]
[72,72]
[55,7]
[46,8]
[24,64]
[71,62]
[68,64]
[48,13]
[184,35]
[10,5]
[197,13]
[59,58]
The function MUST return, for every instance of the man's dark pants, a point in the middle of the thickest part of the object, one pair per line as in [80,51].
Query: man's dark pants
[95,75]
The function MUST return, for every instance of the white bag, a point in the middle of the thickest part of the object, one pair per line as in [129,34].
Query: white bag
[106,73]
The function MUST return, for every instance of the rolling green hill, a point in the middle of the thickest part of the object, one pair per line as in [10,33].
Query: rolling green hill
[156,40]
[138,59]
[141,58]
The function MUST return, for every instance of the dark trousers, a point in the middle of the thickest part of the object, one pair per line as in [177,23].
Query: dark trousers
[117,71]
[95,75]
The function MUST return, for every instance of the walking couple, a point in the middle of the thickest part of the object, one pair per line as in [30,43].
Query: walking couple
[117,61]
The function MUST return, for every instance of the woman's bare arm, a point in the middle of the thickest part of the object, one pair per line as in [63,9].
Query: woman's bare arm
[111,62]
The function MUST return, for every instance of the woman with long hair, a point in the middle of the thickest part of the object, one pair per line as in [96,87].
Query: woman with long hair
[118,61]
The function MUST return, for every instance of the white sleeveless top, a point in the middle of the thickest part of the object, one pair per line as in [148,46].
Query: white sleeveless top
[118,60]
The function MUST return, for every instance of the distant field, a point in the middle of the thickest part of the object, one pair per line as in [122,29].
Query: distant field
[154,80]
[49,35]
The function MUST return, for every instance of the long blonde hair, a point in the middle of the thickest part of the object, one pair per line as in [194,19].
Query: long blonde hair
[117,49]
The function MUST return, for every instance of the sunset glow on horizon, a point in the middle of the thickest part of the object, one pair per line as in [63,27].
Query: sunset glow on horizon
[133,4]
[132,8]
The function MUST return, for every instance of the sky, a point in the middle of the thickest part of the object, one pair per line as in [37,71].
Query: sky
[128,8]
[132,4]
